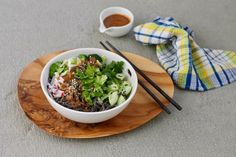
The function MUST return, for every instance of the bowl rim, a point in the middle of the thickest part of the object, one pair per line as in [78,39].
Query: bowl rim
[43,73]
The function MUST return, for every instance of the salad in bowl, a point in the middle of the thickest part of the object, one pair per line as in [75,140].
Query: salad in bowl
[88,85]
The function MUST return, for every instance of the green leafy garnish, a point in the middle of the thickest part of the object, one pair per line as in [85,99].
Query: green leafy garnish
[53,68]
[58,67]
[112,69]
[101,79]
[101,82]
[90,71]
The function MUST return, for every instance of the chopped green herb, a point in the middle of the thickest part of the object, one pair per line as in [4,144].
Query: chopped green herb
[54,68]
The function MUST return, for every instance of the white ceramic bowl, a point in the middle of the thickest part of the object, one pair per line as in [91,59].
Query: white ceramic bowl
[89,117]
[119,30]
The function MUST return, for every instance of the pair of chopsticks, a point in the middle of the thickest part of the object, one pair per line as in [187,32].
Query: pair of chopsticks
[173,102]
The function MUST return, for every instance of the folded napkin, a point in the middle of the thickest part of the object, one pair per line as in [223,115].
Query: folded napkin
[190,66]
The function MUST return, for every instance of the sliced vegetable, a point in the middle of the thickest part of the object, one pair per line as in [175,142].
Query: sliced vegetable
[113,87]
[125,83]
[126,90]
[120,76]
[113,97]
[121,100]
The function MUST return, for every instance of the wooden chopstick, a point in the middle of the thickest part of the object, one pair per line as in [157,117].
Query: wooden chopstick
[173,102]
[146,89]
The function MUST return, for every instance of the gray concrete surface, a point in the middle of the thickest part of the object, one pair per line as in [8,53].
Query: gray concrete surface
[28,29]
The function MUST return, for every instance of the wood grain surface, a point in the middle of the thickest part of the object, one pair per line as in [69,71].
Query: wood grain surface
[141,109]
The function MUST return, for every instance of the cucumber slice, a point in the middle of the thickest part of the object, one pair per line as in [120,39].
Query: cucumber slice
[126,90]
[121,100]
[113,97]
[113,87]
[125,83]
[120,76]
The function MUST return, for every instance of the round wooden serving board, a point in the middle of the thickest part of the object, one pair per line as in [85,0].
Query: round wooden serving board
[141,109]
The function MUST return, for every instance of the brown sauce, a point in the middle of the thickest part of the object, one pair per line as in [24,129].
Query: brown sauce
[116,20]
